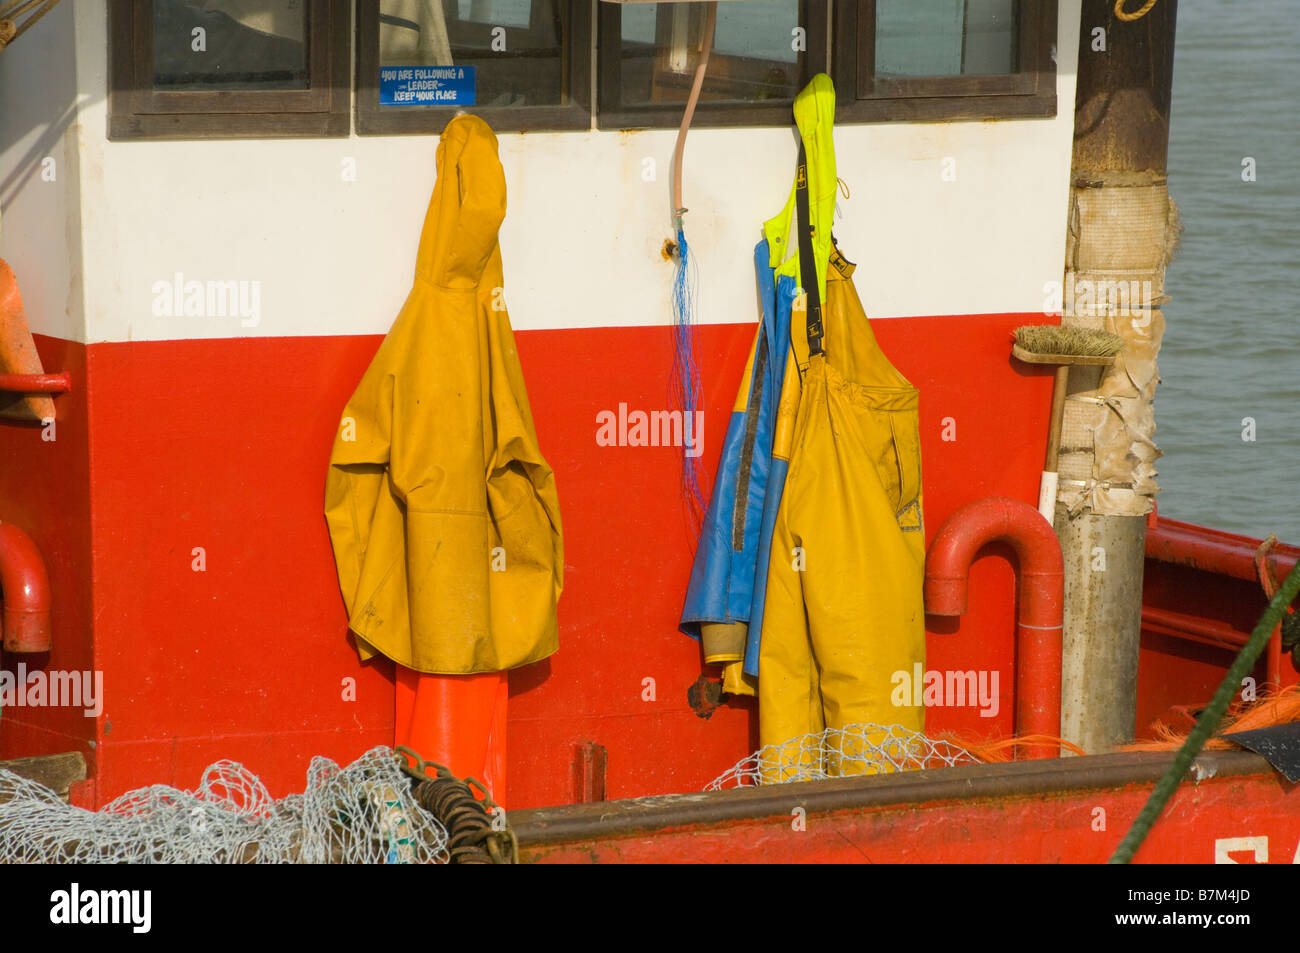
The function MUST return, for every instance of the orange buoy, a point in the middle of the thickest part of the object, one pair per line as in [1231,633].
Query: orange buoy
[458,721]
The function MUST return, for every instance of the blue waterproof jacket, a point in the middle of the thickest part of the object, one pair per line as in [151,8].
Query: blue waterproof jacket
[724,602]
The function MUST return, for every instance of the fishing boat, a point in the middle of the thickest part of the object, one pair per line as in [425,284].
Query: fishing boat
[212,210]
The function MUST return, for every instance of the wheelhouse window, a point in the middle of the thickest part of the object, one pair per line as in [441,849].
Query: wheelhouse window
[944,59]
[763,52]
[272,68]
[520,64]
[228,68]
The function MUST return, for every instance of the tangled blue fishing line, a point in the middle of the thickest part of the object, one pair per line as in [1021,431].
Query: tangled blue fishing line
[686,367]
[686,375]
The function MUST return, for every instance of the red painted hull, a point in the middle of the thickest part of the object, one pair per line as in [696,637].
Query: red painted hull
[168,448]
[1074,811]
[165,448]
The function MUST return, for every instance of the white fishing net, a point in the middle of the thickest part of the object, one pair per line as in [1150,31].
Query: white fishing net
[361,814]
[842,752]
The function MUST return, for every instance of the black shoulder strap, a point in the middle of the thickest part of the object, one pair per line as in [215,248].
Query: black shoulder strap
[807,261]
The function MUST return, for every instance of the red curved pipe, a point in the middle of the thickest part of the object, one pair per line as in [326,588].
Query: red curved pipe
[25,587]
[1042,598]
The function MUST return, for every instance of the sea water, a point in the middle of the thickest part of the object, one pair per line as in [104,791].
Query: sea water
[1228,405]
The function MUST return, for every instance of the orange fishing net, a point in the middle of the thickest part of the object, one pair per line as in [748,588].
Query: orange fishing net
[1273,707]
[1005,749]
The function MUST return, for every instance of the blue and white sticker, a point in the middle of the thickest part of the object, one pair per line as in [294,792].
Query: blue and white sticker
[426,86]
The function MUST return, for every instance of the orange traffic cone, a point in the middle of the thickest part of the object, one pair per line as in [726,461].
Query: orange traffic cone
[18,353]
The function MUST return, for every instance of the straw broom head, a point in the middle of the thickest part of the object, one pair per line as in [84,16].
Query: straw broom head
[1061,339]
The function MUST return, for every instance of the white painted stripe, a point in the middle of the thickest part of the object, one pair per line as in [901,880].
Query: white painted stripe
[583,233]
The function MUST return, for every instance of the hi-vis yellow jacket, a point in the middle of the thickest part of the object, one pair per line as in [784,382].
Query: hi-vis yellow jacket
[442,512]
[843,610]
[822,599]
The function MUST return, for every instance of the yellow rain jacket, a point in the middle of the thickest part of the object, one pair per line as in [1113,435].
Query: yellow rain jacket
[442,512]
[843,609]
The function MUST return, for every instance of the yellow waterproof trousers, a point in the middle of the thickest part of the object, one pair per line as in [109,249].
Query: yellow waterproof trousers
[843,610]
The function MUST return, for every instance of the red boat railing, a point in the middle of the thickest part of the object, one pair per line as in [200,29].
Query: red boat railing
[36,383]
[1219,553]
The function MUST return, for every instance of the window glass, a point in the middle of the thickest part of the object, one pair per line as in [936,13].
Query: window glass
[516,47]
[504,12]
[230,44]
[754,55]
[945,37]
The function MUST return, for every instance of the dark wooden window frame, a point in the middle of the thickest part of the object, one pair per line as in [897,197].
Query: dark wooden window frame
[1030,92]
[611,114]
[376,120]
[138,111]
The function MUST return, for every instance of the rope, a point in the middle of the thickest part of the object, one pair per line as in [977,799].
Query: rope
[1208,723]
[12,11]
[471,836]
[1130,17]
[9,28]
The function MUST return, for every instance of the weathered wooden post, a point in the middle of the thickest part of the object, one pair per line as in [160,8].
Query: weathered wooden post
[1122,229]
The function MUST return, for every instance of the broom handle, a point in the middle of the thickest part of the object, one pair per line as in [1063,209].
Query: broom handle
[1047,487]
[1050,464]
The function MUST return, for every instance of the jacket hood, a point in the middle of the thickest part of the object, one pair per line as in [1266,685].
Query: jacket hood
[467,208]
